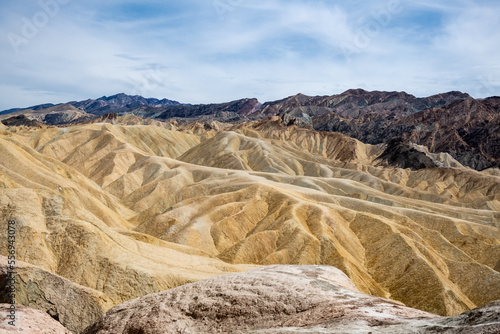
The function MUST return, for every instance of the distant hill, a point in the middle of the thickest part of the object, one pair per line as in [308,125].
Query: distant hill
[54,115]
[37,107]
[452,122]
[103,105]
[120,103]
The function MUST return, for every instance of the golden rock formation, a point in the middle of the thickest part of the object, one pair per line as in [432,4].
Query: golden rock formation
[131,210]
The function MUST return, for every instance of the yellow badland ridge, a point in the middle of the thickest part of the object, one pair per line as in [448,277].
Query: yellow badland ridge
[127,210]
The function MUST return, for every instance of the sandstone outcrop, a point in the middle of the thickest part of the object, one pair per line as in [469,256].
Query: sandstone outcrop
[73,305]
[282,299]
[258,300]
[29,321]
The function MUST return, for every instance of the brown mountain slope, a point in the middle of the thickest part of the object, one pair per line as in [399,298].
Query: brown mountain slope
[405,154]
[452,122]
[467,129]
[356,103]
[428,238]
[59,114]
[21,120]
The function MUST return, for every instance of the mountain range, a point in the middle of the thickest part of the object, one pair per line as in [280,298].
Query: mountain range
[243,217]
[455,123]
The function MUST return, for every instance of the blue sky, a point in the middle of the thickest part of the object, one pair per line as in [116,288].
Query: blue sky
[204,51]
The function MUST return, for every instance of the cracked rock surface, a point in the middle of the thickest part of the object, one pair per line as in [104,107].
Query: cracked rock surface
[268,299]
[73,305]
[29,321]
[282,299]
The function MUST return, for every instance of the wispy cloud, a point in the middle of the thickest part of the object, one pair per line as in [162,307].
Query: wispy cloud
[192,52]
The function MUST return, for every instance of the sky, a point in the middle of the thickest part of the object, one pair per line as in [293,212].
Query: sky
[211,51]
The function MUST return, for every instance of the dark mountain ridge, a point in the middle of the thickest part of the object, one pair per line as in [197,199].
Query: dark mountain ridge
[451,122]
[105,104]
[358,102]
[37,107]
[120,103]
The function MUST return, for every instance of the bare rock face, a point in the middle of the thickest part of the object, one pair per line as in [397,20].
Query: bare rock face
[21,120]
[259,301]
[38,117]
[482,320]
[29,321]
[468,129]
[402,153]
[282,299]
[73,305]
[240,107]
[120,102]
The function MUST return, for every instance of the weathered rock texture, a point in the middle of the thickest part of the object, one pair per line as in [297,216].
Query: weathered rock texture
[452,122]
[267,298]
[60,114]
[73,305]
[281,299]
[467,129]
[357,103]
[21,120]
[405,154]
[133,210]
[68,225]
[29,321]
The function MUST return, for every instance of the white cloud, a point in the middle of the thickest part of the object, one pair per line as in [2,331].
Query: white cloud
[259,49]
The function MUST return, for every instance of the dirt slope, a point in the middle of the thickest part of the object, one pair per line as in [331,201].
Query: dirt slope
[132,210]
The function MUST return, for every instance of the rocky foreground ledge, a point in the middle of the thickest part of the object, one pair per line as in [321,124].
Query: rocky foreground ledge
[274,299]
[282,299]
[29,321]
